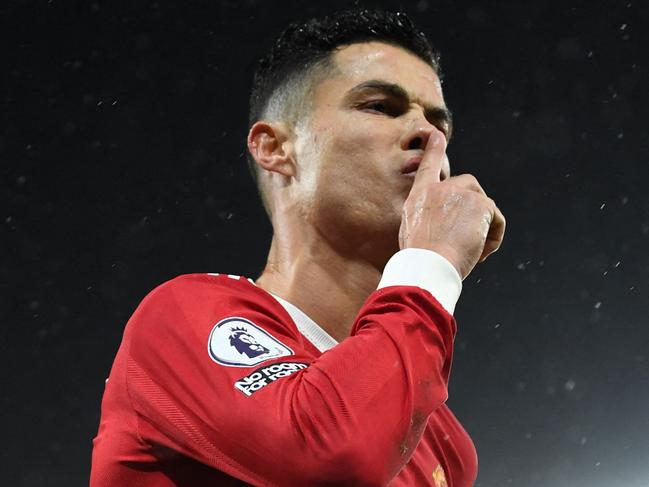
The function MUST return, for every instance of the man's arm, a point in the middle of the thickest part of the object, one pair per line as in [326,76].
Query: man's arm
[353,416]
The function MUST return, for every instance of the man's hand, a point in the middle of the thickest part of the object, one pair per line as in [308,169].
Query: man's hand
[454,217]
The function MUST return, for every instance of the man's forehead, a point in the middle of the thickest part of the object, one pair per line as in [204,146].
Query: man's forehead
[376,60]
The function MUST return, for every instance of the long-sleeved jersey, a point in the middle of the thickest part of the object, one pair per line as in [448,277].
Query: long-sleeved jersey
[218,382]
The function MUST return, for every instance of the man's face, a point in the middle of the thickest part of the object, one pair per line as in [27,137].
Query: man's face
[368,121]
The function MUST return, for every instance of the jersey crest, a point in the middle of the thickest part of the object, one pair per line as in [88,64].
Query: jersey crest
[238,342]
[439,478]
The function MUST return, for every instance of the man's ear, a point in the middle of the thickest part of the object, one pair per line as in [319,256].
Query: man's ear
[268,145]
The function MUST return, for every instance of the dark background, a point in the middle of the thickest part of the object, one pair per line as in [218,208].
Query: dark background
[122,129]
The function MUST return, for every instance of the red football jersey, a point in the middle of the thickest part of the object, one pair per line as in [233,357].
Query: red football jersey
[218,382]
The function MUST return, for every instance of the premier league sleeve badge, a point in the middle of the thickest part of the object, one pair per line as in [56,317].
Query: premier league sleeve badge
[238,342]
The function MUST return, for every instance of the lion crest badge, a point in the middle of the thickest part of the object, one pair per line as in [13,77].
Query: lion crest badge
[238,342]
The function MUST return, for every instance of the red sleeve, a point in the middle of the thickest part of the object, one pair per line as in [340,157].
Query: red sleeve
[351,416]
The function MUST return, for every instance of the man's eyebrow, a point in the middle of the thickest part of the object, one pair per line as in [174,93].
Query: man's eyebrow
[377,84]
[433,113]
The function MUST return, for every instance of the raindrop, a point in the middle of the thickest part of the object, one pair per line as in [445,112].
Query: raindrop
[598,305]
[569,385]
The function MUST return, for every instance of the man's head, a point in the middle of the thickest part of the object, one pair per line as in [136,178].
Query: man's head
[338,108]
[301,57]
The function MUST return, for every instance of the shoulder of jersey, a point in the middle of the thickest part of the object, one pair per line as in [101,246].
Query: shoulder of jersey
[213,296]
[234,340]
[206,278]
[191,286]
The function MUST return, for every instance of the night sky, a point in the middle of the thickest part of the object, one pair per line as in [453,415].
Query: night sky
[122,138]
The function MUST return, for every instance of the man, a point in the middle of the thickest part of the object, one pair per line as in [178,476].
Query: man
[332,368]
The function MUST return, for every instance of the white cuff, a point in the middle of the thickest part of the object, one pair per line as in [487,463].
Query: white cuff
[425,269]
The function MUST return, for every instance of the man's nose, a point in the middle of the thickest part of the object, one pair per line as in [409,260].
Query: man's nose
[417,136]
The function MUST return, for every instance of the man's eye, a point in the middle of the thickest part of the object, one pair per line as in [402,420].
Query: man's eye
[378,106]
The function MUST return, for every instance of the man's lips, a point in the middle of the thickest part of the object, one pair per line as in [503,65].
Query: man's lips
[411,166]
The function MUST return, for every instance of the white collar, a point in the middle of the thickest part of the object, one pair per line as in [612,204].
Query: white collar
[309,328]
[305,325]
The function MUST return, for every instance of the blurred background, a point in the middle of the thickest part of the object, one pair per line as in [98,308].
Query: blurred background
[122,138]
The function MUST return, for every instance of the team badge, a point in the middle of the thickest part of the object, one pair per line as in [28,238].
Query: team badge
[439,478]
[237,342]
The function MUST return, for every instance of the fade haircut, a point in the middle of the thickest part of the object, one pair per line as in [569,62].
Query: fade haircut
[301,57]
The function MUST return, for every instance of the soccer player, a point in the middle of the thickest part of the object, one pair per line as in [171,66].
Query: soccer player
[332,367]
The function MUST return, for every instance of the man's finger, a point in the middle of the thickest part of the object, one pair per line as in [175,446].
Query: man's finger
[495,235]
[430,167]
[467,181]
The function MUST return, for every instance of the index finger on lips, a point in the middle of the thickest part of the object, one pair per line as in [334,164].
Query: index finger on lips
[430,168]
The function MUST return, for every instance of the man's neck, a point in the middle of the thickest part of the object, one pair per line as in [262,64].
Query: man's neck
[329,287]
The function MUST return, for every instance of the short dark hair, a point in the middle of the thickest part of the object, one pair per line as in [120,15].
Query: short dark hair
[301,55]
